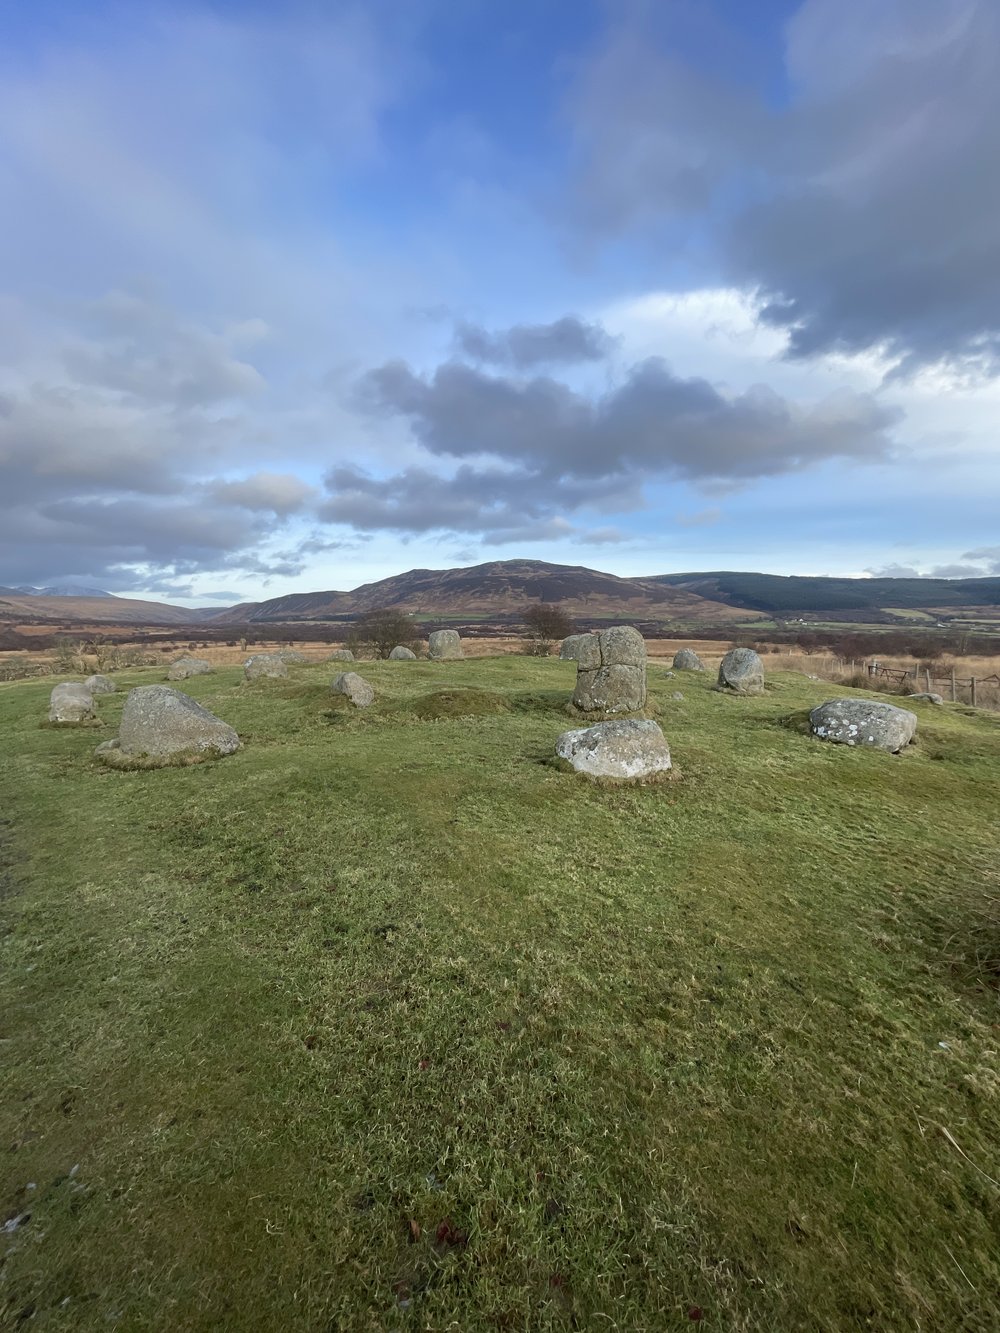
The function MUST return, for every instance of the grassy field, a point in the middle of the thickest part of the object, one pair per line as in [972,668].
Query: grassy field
[384,1023]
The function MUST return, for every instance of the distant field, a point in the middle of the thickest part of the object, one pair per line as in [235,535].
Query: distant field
[386,1024]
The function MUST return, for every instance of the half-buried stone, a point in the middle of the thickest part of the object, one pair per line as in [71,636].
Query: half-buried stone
[160,725]
[611,671]
[444,643]
[741,672]
[264,664]
[686,659]
[185,667]
[627,749]
[356,689]
[71,703]
[292,655]
[864,722]
[402,654]
[100,684]
[341,655]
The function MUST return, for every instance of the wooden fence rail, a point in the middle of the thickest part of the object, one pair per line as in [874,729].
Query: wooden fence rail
[927,680]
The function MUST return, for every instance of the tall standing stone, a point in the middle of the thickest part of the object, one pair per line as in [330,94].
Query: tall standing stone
[741,672]
[611,671]
[443,643]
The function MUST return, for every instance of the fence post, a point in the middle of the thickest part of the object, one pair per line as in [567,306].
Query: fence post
[954,694]
[973,684]
[927,674]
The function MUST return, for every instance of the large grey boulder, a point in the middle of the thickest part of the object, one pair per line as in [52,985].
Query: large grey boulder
[741,672]
[686,659]
[71,702]
[185,667]
[867,722]
[570,645]
[341,655]
[159,723]
[402,654]
[627,749]
[264,664]
[292,655]
[611,671]
[355,688]
[443,643]
[100,684]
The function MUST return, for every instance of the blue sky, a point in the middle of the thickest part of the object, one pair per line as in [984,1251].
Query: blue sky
[301,296]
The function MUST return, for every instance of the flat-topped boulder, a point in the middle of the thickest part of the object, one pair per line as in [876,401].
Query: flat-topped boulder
[628,749]
[611,671]
[355,688]
[569,648]
[686,659]
[185,667]
[444,643]
[292,655]
[262,665]
[741,672]
[341,655]
[100,684]
[161,723]
[864,722]
[70,703]
[402,654]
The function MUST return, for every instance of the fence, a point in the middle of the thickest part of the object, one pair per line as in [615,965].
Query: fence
[926,680]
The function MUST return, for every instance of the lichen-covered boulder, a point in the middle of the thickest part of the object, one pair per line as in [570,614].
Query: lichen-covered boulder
[864,722]
[161,723]
[292,655]
[264,664]
[686,659]
[341,655]
[100,684]
[568,649]
[611,671]
[628,749]
[356,689]
[443,643]
[402,654]
[71,702]
[185,667]
[741,672]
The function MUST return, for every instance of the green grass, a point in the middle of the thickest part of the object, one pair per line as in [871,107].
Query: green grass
[385,1023]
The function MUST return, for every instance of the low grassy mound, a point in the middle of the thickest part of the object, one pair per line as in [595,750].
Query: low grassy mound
[378,1025]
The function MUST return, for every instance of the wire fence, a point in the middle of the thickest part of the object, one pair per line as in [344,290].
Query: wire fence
[957,688]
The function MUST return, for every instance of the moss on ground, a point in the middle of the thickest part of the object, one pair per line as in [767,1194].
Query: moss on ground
[379,1025]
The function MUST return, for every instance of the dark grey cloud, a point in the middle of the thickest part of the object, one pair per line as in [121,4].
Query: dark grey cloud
[863,209]
[653,423]
[566,341]
[274,492]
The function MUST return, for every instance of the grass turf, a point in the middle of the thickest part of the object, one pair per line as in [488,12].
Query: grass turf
[385,1023]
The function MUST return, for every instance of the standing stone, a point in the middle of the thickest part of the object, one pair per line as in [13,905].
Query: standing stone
[867,722]
[443,643]
[570,645]
[71,702]
[189,666]
[264,664]
[341,655]
[686,659]
[402,654]
[741,672]
[159,723]
[357,690]
[628,749]
[611,671]
[101,684]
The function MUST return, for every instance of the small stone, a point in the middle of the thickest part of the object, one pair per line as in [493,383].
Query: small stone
[341,655]
[186,667]
[444,643]
[402,654]
[356,689]
[292,655]
[677,695]
[628,749]
[686,659]
[100,684]
[927,698]
[264,664]
[741,672]
[71,702]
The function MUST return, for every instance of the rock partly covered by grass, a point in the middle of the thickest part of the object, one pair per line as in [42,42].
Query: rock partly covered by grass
[866,722]
[686,659]
[611,671]
[185,667]
[263,665]
[100,684]
[627,749]
[355,688]
[71,702]
[162,724]
[444,643]
[741,672]
[402,654]
[341,655]
[292,655]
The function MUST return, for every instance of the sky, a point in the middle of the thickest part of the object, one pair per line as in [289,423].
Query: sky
[300,296]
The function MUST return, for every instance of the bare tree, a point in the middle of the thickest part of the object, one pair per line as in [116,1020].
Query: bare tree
[376,633]
[546,623]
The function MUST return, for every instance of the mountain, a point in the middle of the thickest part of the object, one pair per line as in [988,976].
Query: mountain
[59,590]
[499,589]
[100,609]
[785,594]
